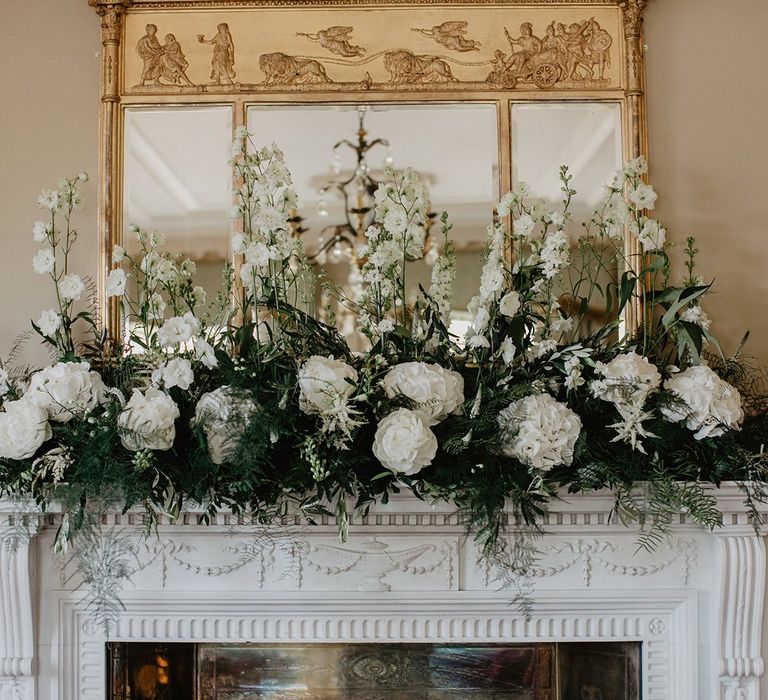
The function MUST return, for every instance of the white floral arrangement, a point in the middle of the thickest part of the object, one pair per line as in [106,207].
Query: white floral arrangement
[258,407]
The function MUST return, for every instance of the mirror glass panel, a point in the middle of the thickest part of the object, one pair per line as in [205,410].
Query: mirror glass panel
[176,180]
[337,152]
[586,137]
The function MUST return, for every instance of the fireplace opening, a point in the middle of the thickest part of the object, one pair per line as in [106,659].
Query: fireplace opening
[562,671]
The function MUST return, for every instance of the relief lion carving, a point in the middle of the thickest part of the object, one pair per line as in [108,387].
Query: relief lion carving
[408,68]
[282,69]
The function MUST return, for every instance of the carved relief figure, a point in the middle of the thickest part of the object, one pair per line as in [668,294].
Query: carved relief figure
[223,61]
[406,67]
[282,69]
[149,50]
[452,35]
[337,40]
[173,62]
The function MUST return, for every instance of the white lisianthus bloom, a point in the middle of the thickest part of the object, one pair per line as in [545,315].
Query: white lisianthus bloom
[66,390]
[118,254]
[224,415]
[43,261]
[695,314]
[642,196]
[323,382]
[521,189]
[24,427]
[539,431]
[404,442]
[175,372]
[116,281]
[707,404]
[178,329]
[437,392]
[148,421]
[39,231]
[71,287]
[205,354]
[509,304]
[523,226]
[49,199]
[627,379]
[652,236]
[49,322]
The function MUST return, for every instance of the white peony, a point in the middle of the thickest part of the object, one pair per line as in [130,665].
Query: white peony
[44,261]
[509,304]
[706,403]
[404,442]
[178,329]
[23,428]
[627,379]
[539,431]
[324,381]
[66,390]
[437,392]
[224,415]
[116,281]
[175,372]
[148,421]
[49,322]
[71,287]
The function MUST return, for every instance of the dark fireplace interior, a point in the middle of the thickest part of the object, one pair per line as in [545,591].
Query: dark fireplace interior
[567,671]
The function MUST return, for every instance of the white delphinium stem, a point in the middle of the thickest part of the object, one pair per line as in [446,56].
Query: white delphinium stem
[441,288]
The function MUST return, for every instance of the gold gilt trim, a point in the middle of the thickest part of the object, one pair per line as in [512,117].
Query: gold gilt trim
[239,4]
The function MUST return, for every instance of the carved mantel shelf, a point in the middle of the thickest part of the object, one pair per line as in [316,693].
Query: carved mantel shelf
[406,573]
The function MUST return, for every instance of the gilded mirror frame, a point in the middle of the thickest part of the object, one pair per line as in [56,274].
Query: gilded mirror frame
[351,52]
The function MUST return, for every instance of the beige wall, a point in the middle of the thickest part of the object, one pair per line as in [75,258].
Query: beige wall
[708,97]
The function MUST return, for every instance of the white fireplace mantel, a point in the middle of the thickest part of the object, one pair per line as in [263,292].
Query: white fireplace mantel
[406,574]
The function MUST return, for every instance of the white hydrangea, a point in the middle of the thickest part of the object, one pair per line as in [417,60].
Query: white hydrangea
[178,329]
[539,431]
[404,443]
[66,390]
[116,281]
[323,382]
[627,379]
[148,421]
[24,427]
[707,404]
[71,287]
[224,415]
[49,322]
[436,391]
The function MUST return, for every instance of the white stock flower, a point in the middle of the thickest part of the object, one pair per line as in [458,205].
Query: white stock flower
[555,253]
[707,404]
[24,428]
[49,199]
[49,322]
[178,329]
[71,287]
[148,421]
[652,236]
[404,442]
[116,281]
[224,415]
[539,431]
[39,231]
[523,226]
[509,304]
[323,382]
[118,254]
[642,196]
[66,390]
[43,261]
[175,372]
[205,354]
[695,314]
[627,379]
[436,392]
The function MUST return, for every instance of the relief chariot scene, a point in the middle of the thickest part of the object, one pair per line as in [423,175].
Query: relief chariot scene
[350,50]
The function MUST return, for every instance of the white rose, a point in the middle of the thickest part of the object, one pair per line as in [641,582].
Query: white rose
[148,421]
[66,390]
[23,428]
[116,281]
[178,329]
[176,372]
[71,287]
[539,431]
[43,261]
[437,392]
[404,442]
[627,379]
[49,322]
[224,415]
[509,304]
[323,382]
[706,403]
